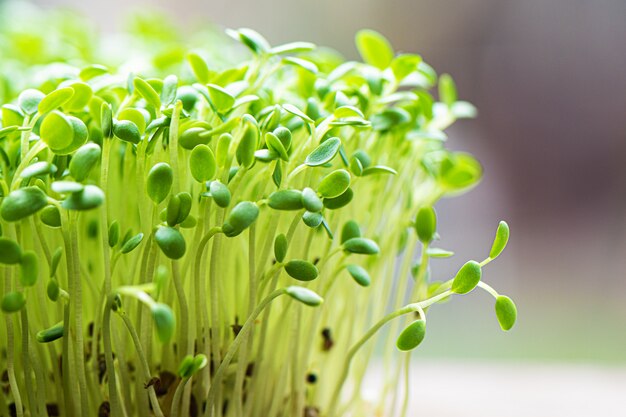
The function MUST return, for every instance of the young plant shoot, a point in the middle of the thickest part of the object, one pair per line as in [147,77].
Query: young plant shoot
[215,231]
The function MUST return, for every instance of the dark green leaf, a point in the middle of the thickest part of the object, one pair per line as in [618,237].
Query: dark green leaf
[361,245]
[171,242]
[22,203]
[359,274]
[301,270]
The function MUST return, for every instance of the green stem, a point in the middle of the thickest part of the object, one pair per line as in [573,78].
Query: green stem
[177,397]
[219,374]
[116,409]
[409,308]
[156,407]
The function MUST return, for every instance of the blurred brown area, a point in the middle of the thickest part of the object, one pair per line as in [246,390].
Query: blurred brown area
[548,77]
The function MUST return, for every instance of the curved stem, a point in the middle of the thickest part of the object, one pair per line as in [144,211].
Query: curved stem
[409,308]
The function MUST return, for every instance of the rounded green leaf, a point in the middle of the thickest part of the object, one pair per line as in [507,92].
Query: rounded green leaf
[285,200]
[222,100]
[173,210]
[137,116]
[185,367]
[168,93]
[114,233]
[83,161]
[171,242]
[500,241]
[13,302]
[164,321]
[240,218]
[29,100]
[340,201]
[89,198]
[66,187]
[55,99]
[506,312]
[106,120]
[374,48]
[311,201]
[132,243]
[37,169]
[51,334]
[199,67]
[222,155]
[56,131]
[284,135]
[202,163]
[50,216]
[247,145]
[411,336]
[359,274]
[301,270]
[145,90]
[324,153]
[304,295]
[159,182]
[220,194]
[10,251]
[82,95]
[275,145]
[312,219]
[56,258]
[350,230]
[29,269]
[199,362]
[127,131]
[426,224]
[22,203]
[467,278]
[280,247]
[185,206]
[53,290]
[361,245]
[80,136]
[334,184]
[290,108]
[193,137]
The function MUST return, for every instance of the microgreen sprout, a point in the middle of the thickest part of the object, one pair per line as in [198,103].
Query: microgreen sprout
[219,237]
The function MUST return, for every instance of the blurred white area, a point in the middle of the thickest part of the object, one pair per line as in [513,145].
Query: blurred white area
[485,389]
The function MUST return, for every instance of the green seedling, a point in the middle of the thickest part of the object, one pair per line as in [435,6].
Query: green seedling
[153,223]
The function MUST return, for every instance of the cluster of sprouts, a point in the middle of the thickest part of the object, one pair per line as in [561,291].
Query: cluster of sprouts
[212,240]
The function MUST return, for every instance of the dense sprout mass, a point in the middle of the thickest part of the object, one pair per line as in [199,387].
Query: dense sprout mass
[214,227]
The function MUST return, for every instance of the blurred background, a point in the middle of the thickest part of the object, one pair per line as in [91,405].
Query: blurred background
[548,79]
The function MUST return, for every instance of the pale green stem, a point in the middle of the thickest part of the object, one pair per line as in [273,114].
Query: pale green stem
[156,407]
[409,308]
[219,374]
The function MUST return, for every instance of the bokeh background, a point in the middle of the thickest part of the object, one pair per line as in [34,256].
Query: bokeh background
[549,79]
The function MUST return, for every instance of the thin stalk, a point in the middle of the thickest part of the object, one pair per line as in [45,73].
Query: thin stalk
[219,374]
[143,362]
[108,357]
[409,308]
[242,363]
